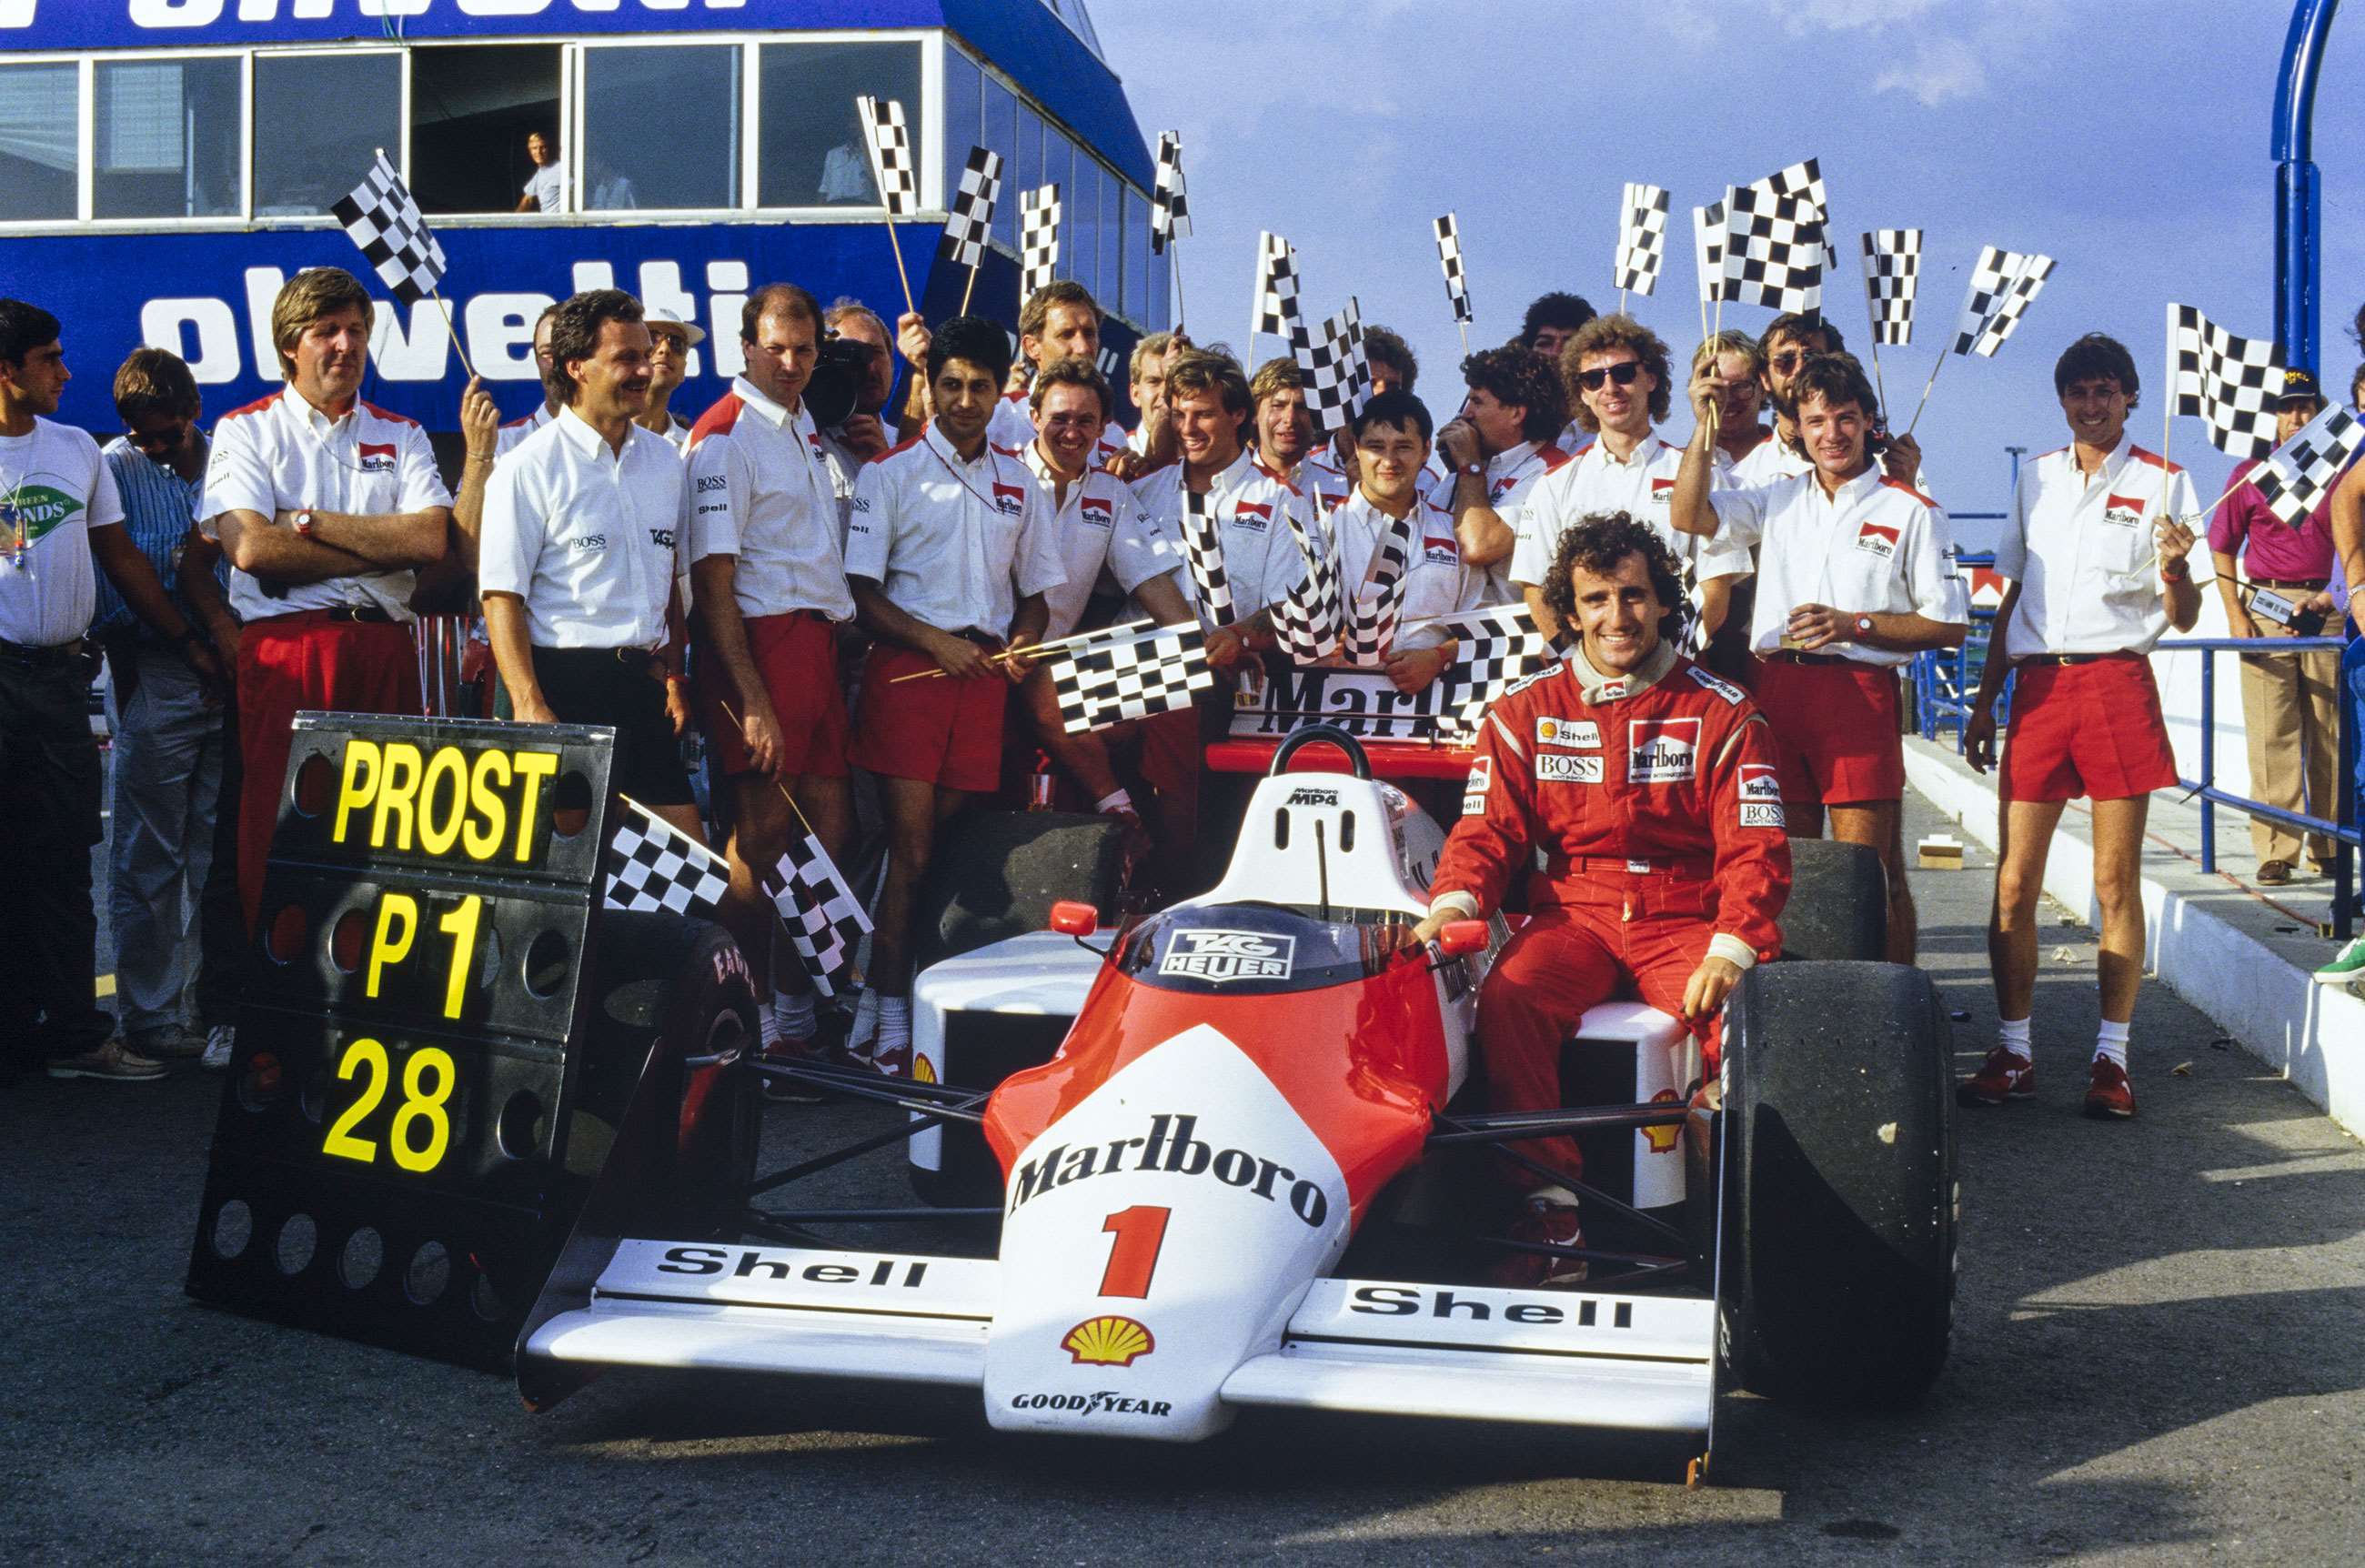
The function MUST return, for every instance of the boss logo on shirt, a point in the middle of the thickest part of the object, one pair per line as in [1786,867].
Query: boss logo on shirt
[1662,751]
[1252,515]
[1008,500]
[1474,791]
[376,459]
[1877,539]
[1761,813]
[1580,735]
[2122,511]
[710,482]
[862,505]
[591,542]
[1099,513]
[1552,767]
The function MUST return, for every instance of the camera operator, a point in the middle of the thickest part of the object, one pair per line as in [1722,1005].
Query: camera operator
[856,342]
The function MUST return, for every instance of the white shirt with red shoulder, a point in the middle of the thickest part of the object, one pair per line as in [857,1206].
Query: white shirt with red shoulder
[1436,583]
[283,454]
[1098,526]
[1769,460]
[953,543]
[1012,426]
[1513,476]
[516,430]
[2080,547]
[1642,486]
[1251,508]
[588,538]
[1325,483]
[764,490]
[1874,547]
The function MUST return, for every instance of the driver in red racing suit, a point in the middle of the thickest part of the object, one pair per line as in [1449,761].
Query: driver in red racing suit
[1651,787]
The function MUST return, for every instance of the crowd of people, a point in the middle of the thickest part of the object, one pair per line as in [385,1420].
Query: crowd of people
[844,613]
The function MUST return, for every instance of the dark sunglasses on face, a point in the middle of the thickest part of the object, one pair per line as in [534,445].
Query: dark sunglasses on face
[163,440]
[1623,374]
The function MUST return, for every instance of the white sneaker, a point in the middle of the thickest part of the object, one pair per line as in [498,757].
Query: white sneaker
[219,1041]
[863,1035]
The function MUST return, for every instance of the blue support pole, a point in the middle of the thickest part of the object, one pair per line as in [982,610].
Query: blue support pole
[2208,758]
[2298,187]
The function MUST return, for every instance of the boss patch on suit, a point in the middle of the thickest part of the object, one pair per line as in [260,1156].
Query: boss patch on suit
[1554,768]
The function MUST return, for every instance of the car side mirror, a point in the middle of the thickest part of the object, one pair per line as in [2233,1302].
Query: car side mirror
[1072,917]
[1458,937]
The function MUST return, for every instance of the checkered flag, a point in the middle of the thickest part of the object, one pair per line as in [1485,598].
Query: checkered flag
[1364,635]
[1038,239]
[2233,384]
[1277,284]
[1773,250]
[1107,682]
[1494,648]
[1305,620]
[1708,252]
[2034,270]
[971,220]
[653,865]
[380,217]
[1335,372]
[1169,204]
[825,921]
[2002,285]
[2301,473]
[1642,238]
[1892,269]
[1203,551]
[890,154]
[1449,255]
[1804,181]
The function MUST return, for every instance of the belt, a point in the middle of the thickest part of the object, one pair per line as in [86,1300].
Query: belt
[1682,866]
[1793,656]
[627,655]
[2079,658]
[369,614]
[48,657]
[983,639]
[2303,584]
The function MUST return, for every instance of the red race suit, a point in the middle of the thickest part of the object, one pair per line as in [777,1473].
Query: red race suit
[1655,800]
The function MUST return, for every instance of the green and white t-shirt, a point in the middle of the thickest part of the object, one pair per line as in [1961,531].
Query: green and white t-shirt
[54,488]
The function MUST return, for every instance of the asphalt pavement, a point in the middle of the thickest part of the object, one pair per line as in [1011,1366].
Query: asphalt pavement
[2158,1357]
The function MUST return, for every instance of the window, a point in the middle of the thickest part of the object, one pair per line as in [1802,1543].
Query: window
[39,108]
[168,138]
[964,109]
[661,126]
[1111,290]
[1002,136]
[1029,166]
[1081,246]
[811,151]
[319,119]
[471,111]
[1134,305]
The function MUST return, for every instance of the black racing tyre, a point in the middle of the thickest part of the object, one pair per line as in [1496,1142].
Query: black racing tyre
[1837,1285]
[1839,902]
[997,874]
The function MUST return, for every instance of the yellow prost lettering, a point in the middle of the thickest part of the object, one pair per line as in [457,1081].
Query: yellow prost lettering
[388,946]
[358,784]
[532,768]
[487,803]
[437,836]
[394,793]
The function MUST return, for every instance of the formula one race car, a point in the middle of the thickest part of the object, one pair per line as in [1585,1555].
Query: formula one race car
[1244,1178]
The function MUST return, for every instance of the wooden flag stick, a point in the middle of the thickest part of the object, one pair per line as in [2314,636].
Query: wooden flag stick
[1465,338]
[1031,649]
[967,287]
[1174,271]
[783,789]
[1879,383]
[445,311]
[896,245]
[1621,306]
[1925,390]
[2168,405]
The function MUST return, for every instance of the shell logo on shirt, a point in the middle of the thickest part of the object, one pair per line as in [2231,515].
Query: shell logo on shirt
[1009,500]
[37,509]
[1098,512]
[1878,539]
[375,458]
[1582,734]
[2122,511]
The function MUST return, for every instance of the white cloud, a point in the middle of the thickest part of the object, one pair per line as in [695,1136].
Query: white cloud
[1800,17]
[1941,69]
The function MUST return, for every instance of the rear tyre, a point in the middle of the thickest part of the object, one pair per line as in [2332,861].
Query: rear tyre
[1839,1208]
[1839,902]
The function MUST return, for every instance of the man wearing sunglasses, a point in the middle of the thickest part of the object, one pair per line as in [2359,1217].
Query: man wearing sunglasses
[1617,368]
[1789,340]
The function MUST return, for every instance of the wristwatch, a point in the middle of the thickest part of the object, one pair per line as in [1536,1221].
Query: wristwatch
[1474,470]
[302,522]
[1863,627]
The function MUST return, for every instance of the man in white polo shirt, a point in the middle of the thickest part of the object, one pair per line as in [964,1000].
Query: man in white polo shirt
[1853,580]
[1617,370]
[1392,446]
[768,565]
[584,523]
[1497,451]
[1285,447]
[950,551]
[326,506]
[1061,321]
[2096,551]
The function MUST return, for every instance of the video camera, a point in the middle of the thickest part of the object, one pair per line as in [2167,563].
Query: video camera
[840,373]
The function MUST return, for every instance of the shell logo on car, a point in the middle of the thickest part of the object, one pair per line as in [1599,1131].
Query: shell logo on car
[1108,1341]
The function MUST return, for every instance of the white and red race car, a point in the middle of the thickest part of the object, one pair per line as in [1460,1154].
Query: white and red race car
[1262,1093]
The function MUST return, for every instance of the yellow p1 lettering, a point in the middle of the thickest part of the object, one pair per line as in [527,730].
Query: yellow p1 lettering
[386,945]
[358,784]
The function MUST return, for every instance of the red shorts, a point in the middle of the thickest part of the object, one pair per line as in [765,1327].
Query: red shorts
[1836,728]
[2092,729]
[796,657]
[940,731]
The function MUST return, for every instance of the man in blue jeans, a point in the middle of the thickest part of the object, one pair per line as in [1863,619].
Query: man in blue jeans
[2347,589]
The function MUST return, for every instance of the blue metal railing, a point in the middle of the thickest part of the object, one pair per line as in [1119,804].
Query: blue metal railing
[1945,679]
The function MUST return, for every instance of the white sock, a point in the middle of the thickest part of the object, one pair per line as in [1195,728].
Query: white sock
[1114,800]
[793,1016]
[2012,1034]
[894,1022]
[768,1029]
[2110,1042]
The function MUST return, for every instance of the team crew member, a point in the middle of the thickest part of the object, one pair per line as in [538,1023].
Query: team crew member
[1747,454]
[326,506]
[1061,321]
[1646,786]
[1330,470]
[767,560]
[1284,433]
[1392,446]
[1497,452]
[546,188]
[1098,526]
[2287,703]
[1853,580]
[1618,370]
[950,550]
[1153,439]
[584,525]
[861,436]
[553,394]
[2098,569]
[59,514]
[670,340]
[1208,399]
[1552,319]
[1790,342]
[2349,588]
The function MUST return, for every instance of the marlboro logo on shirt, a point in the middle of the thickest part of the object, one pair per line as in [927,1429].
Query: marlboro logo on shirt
[1251,514]
[2125,511]
[1009,500]
[1661,751]
[1097,511]
[376,459]
[1877,539]
[1660,490]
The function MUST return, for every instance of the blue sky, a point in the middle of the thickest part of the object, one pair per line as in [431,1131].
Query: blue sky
[2128,140]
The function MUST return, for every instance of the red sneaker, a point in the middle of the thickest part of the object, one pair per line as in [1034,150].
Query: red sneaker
[787,1091]
[2001,1077]
[891,1061]
[1551,1223]
[2108,1093]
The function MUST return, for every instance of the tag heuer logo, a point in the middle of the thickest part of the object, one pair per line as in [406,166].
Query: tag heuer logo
[1221,956]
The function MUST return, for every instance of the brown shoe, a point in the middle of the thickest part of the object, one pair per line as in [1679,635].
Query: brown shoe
[109,1063]
[2274,873]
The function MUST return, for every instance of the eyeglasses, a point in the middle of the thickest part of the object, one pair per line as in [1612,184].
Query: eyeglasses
[163,440]
[1623,373]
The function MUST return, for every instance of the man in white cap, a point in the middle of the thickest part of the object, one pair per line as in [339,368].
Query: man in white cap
[670,340]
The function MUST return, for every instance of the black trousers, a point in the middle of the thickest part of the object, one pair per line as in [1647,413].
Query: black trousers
[48,821]
[221,922]
[618,688]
